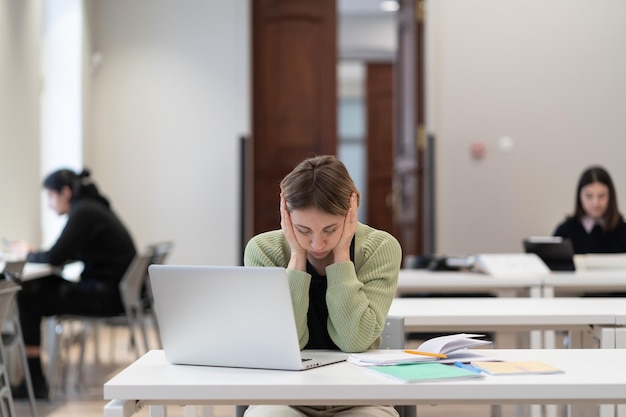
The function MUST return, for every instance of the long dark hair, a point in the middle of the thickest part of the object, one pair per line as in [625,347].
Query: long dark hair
[80,185]
[611,216]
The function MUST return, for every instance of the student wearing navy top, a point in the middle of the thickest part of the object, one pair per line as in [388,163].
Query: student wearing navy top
[92,234]
[596,226]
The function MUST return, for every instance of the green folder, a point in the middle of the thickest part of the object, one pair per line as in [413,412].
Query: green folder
[425,371]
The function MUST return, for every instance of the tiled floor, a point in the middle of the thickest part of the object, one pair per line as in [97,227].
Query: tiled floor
[87,401]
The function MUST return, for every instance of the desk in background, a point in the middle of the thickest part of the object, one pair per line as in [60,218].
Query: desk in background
[32,270]
[422,281]
[151,381]
[515,314]
[579,282]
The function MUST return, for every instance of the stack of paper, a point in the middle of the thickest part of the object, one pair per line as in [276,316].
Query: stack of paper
[398,357]
[446,349]
[452,343]
[516,367]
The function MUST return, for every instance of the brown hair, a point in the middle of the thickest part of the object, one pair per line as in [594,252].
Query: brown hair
[321,182]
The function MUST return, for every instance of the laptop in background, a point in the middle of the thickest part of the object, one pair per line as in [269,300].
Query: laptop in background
[554,251]
[230,316]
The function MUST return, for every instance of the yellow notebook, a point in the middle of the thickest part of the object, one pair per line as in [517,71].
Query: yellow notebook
[516,367]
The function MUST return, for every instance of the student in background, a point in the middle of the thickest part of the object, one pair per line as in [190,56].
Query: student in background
[342,274]
[94,235]
[596,226]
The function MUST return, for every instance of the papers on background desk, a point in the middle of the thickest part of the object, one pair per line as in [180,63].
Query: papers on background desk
[600,262]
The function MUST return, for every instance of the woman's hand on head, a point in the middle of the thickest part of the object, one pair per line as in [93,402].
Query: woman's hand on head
[341,252]
[298,254]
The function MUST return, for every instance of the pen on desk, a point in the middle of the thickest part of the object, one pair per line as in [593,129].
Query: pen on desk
[417,352]
[467,367]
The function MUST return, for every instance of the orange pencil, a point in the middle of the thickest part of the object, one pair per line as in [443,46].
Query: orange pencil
[417,352]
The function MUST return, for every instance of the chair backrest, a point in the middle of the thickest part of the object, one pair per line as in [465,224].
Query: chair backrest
[13,270]
[160,251]
[133,281]
[8,291]
[393,335]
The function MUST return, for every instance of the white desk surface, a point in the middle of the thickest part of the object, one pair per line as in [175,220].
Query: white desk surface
[590,376]
[413,281]
[585,281]
[441,314]
[32,270]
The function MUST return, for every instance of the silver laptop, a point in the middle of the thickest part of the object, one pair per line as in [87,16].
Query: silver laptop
[230,316]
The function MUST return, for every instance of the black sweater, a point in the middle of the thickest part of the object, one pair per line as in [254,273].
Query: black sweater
[595,242]
[94,235]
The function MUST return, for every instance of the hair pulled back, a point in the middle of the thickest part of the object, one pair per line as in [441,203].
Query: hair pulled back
[321,182]
[80,184]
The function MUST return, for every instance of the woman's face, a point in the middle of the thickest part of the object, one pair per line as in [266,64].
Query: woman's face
[59,202]
[317,231]
[594,198]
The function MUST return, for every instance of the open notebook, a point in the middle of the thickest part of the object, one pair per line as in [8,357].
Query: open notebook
[229,316]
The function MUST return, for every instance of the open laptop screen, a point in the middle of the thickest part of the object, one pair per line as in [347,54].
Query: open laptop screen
[554,251]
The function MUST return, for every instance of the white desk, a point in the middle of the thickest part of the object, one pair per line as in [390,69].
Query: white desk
[32,270]
[415,281]
[590,376]
[584,282]
[513,314]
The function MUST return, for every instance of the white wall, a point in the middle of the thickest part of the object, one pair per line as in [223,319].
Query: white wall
[167,107]
[20,182]
[549,75]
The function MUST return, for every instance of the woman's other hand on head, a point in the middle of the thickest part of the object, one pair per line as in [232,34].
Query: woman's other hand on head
[342,250]
[298,254]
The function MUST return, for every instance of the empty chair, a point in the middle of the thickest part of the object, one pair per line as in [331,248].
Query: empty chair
[12,330]
[13,270]
[8,291]
[130,286]
[160,251]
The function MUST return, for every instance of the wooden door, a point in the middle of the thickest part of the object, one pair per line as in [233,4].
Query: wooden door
[379,97]
[294,114]
[409,138]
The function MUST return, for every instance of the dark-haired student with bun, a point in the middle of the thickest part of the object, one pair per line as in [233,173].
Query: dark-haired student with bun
[92,234]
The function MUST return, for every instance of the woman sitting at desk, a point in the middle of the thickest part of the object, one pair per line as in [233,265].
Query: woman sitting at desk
[596,225]
[94,235]
[342,274]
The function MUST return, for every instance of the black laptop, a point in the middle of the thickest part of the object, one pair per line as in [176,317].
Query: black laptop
[554,251]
